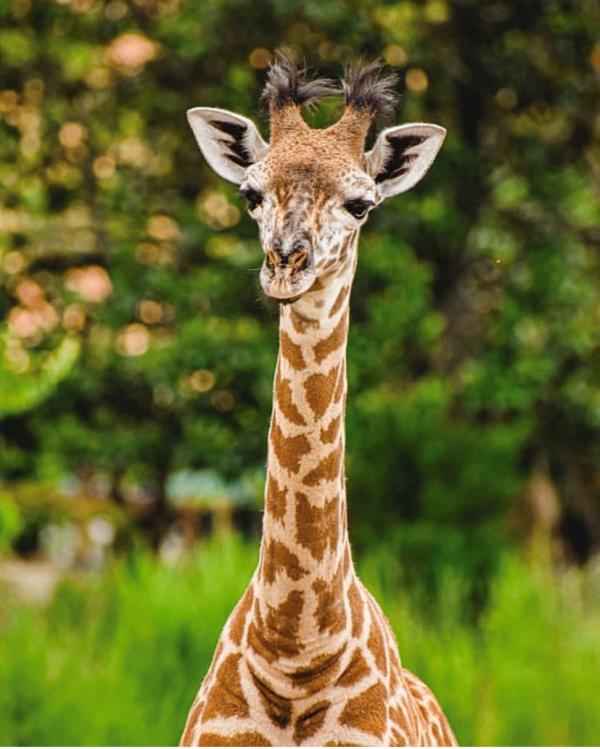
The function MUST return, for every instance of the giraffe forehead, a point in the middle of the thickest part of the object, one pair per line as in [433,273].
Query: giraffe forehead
[294,189]
[309,166]
[295,184]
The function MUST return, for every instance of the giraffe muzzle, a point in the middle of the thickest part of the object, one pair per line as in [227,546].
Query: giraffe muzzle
[299,258]
[287,275]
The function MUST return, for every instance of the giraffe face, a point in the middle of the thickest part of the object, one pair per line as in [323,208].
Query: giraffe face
[309,190]
[308,208]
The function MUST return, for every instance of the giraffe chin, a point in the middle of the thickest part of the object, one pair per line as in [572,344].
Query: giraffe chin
[286,289]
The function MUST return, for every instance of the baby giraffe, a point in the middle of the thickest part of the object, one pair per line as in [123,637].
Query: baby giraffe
[307,657]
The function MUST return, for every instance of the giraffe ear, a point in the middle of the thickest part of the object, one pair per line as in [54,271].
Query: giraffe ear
[230,142]
[402,155]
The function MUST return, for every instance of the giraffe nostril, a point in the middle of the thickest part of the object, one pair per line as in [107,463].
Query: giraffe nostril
[299,259]
[273,259]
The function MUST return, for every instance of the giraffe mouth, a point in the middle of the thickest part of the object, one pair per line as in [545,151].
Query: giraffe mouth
[286,285]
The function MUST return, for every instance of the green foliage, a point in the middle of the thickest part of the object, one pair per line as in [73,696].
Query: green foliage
[518,677]
[20,392]
[118,660]
[11,521]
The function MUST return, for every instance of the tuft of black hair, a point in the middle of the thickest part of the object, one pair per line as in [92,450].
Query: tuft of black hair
[366,86]
[288,83]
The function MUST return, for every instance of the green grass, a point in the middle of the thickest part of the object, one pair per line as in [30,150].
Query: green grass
[117,660]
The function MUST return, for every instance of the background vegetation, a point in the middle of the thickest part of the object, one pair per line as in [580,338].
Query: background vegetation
[136,355]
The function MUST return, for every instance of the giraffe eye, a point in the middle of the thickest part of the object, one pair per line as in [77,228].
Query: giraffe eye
[359,208]
[253,198]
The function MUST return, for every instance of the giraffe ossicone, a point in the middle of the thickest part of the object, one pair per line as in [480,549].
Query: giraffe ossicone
[307,657]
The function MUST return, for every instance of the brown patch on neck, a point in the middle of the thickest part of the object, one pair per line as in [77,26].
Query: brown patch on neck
[285,401]
[246,738]
[328,435]
[333,341]
[367,711]
[277,635]
[275,500]
[278,557]
[278,709]
[320,672]
[289,450]
[403,725]
[310,721]
[319,389]
[327,470]
[291,351]
[330,613]
[376,644]
[301,325]
[339,300]
[347,554]
[226,698]
[356,608]
[317,527]
[356,670]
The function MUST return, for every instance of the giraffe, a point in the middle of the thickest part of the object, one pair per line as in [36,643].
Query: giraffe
[307,657]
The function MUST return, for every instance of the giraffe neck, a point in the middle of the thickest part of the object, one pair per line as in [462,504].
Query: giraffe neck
[301,610]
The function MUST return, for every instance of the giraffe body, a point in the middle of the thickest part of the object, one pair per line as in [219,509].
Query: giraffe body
[307,657]
[363,699]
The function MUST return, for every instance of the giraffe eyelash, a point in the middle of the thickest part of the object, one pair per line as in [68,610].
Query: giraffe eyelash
[359,208]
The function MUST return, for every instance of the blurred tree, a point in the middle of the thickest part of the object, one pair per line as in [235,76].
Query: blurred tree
[475,341]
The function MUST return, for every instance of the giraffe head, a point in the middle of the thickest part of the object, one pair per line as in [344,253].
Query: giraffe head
[309,190]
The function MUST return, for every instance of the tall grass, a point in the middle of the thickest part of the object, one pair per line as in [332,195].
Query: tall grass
[117,660]
[528,673]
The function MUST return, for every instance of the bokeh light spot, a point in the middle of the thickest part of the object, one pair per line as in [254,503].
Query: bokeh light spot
[130,52]
[92,283]
[104,167]
[29,293]
[395,55]
[216,211]
[133,340]
[150,312]
[201,380]
[260,58]
[71,134]
[13,262]
[162,227]
[416,80]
